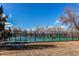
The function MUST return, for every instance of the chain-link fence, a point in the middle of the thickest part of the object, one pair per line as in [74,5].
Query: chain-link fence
[54,36]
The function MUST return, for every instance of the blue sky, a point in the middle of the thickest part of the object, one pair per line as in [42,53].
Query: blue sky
[28,15]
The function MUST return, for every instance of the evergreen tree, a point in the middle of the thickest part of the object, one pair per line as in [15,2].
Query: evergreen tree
[2,23]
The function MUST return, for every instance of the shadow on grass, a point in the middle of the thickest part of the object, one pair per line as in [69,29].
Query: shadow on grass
[26,47]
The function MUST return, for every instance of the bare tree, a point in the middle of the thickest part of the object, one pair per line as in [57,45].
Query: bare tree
[71,19]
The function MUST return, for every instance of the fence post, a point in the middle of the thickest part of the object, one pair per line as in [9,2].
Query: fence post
[15,36]
[66,35]
[72,34]
[4,35]
[26,36]
[20,36]
[44,36]
[9,36]
[78,35]
[9,33]
[59,36]
[35,36]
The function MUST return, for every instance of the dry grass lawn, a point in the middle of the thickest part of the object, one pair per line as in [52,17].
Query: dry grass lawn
[68,48]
